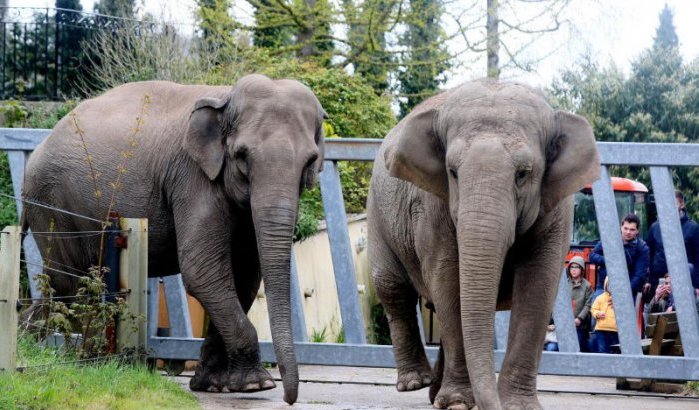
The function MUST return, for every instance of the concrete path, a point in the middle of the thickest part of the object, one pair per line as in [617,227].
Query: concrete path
[339,388]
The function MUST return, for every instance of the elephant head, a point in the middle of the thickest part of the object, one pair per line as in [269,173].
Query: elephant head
[264,144]
[502,159]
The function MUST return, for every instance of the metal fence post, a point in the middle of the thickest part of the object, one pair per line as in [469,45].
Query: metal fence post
[563,318]
[9,292]
[341,252]
[615,260]
[676,256]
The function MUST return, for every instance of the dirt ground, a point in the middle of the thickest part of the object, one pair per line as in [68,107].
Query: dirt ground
[340,388]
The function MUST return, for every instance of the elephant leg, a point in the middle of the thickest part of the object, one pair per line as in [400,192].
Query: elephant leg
[207,271]
[534,290]
[399,299]
[211,373]
[455,391]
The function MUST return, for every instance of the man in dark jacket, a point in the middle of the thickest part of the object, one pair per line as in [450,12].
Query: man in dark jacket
[637,256]
[658,267]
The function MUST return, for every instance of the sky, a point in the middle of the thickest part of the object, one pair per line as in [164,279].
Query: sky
[612,31]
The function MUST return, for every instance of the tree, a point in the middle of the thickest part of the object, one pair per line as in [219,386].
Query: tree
[426,57]
[658,102]
[665,35]
[511,28]
[70,34]
[271,30]
[116,8]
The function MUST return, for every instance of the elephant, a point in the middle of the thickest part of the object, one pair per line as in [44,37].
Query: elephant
[218,171]
[470,208]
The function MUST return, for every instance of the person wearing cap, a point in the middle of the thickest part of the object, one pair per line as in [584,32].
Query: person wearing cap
[581,294]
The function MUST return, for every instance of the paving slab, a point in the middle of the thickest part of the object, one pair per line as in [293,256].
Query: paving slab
[340,388]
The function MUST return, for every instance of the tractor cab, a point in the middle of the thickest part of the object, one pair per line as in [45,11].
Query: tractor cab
[631,197]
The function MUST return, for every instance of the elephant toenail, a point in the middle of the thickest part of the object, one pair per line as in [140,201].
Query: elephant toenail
[400,387]
[268,384]
[251,387]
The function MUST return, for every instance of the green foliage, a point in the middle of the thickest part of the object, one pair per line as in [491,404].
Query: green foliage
[57,382]
[88,315]
[427,59]
[380,333]
[116,8]
[658,102]
[340,338]
[319,336]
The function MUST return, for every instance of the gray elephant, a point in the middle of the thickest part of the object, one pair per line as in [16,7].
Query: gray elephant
[218,172]
[470,207]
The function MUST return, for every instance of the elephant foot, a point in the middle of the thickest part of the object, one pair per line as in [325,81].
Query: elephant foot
[454,397]
[249,380]
[415,379]
[209,380]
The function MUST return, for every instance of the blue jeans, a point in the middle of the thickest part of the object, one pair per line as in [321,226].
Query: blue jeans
[583,339]
[601,341]
[551,347]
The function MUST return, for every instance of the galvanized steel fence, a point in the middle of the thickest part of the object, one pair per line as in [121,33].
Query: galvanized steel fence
[356,352]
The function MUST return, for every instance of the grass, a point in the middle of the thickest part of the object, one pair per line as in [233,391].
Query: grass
[55,384]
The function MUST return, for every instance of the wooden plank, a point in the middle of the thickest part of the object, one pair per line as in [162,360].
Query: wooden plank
[10,244]
[134,278]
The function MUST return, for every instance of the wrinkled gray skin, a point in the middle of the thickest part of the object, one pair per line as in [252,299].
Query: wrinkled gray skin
[218,172]
[470,207]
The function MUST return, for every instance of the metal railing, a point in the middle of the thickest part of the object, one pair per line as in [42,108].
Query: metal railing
[569,361]
[43,50]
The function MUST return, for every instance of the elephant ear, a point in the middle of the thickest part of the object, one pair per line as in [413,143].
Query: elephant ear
[572,160]
[417,155]
[204,138]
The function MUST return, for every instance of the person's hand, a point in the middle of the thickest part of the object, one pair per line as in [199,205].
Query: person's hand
[669,309]
[646,288]
[601,315]
[577,322]
[660,292]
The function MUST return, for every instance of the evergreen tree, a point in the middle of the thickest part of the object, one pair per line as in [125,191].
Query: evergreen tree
[659,102]
[116,8]
[427,57]
[665,34]
[74,63]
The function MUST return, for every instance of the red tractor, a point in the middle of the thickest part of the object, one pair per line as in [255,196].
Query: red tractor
[631,197]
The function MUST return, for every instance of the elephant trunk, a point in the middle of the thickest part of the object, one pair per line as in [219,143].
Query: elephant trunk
[274,218]
[485,232]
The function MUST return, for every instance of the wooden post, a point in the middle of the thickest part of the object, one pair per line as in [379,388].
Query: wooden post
[10,243]
[133,277]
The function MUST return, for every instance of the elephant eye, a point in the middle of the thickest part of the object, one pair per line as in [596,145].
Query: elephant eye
[521,176]
[241,161]
[453,174]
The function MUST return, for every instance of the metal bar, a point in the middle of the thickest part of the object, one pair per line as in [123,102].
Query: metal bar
[560,363]
[615,260]
[566,334]
[177,306]
[17,162]
[341,252]
[358,149]
[153,306]
[21,139]
[502,328]
[676,256]
[34,264]
[648,154]
[298,318]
